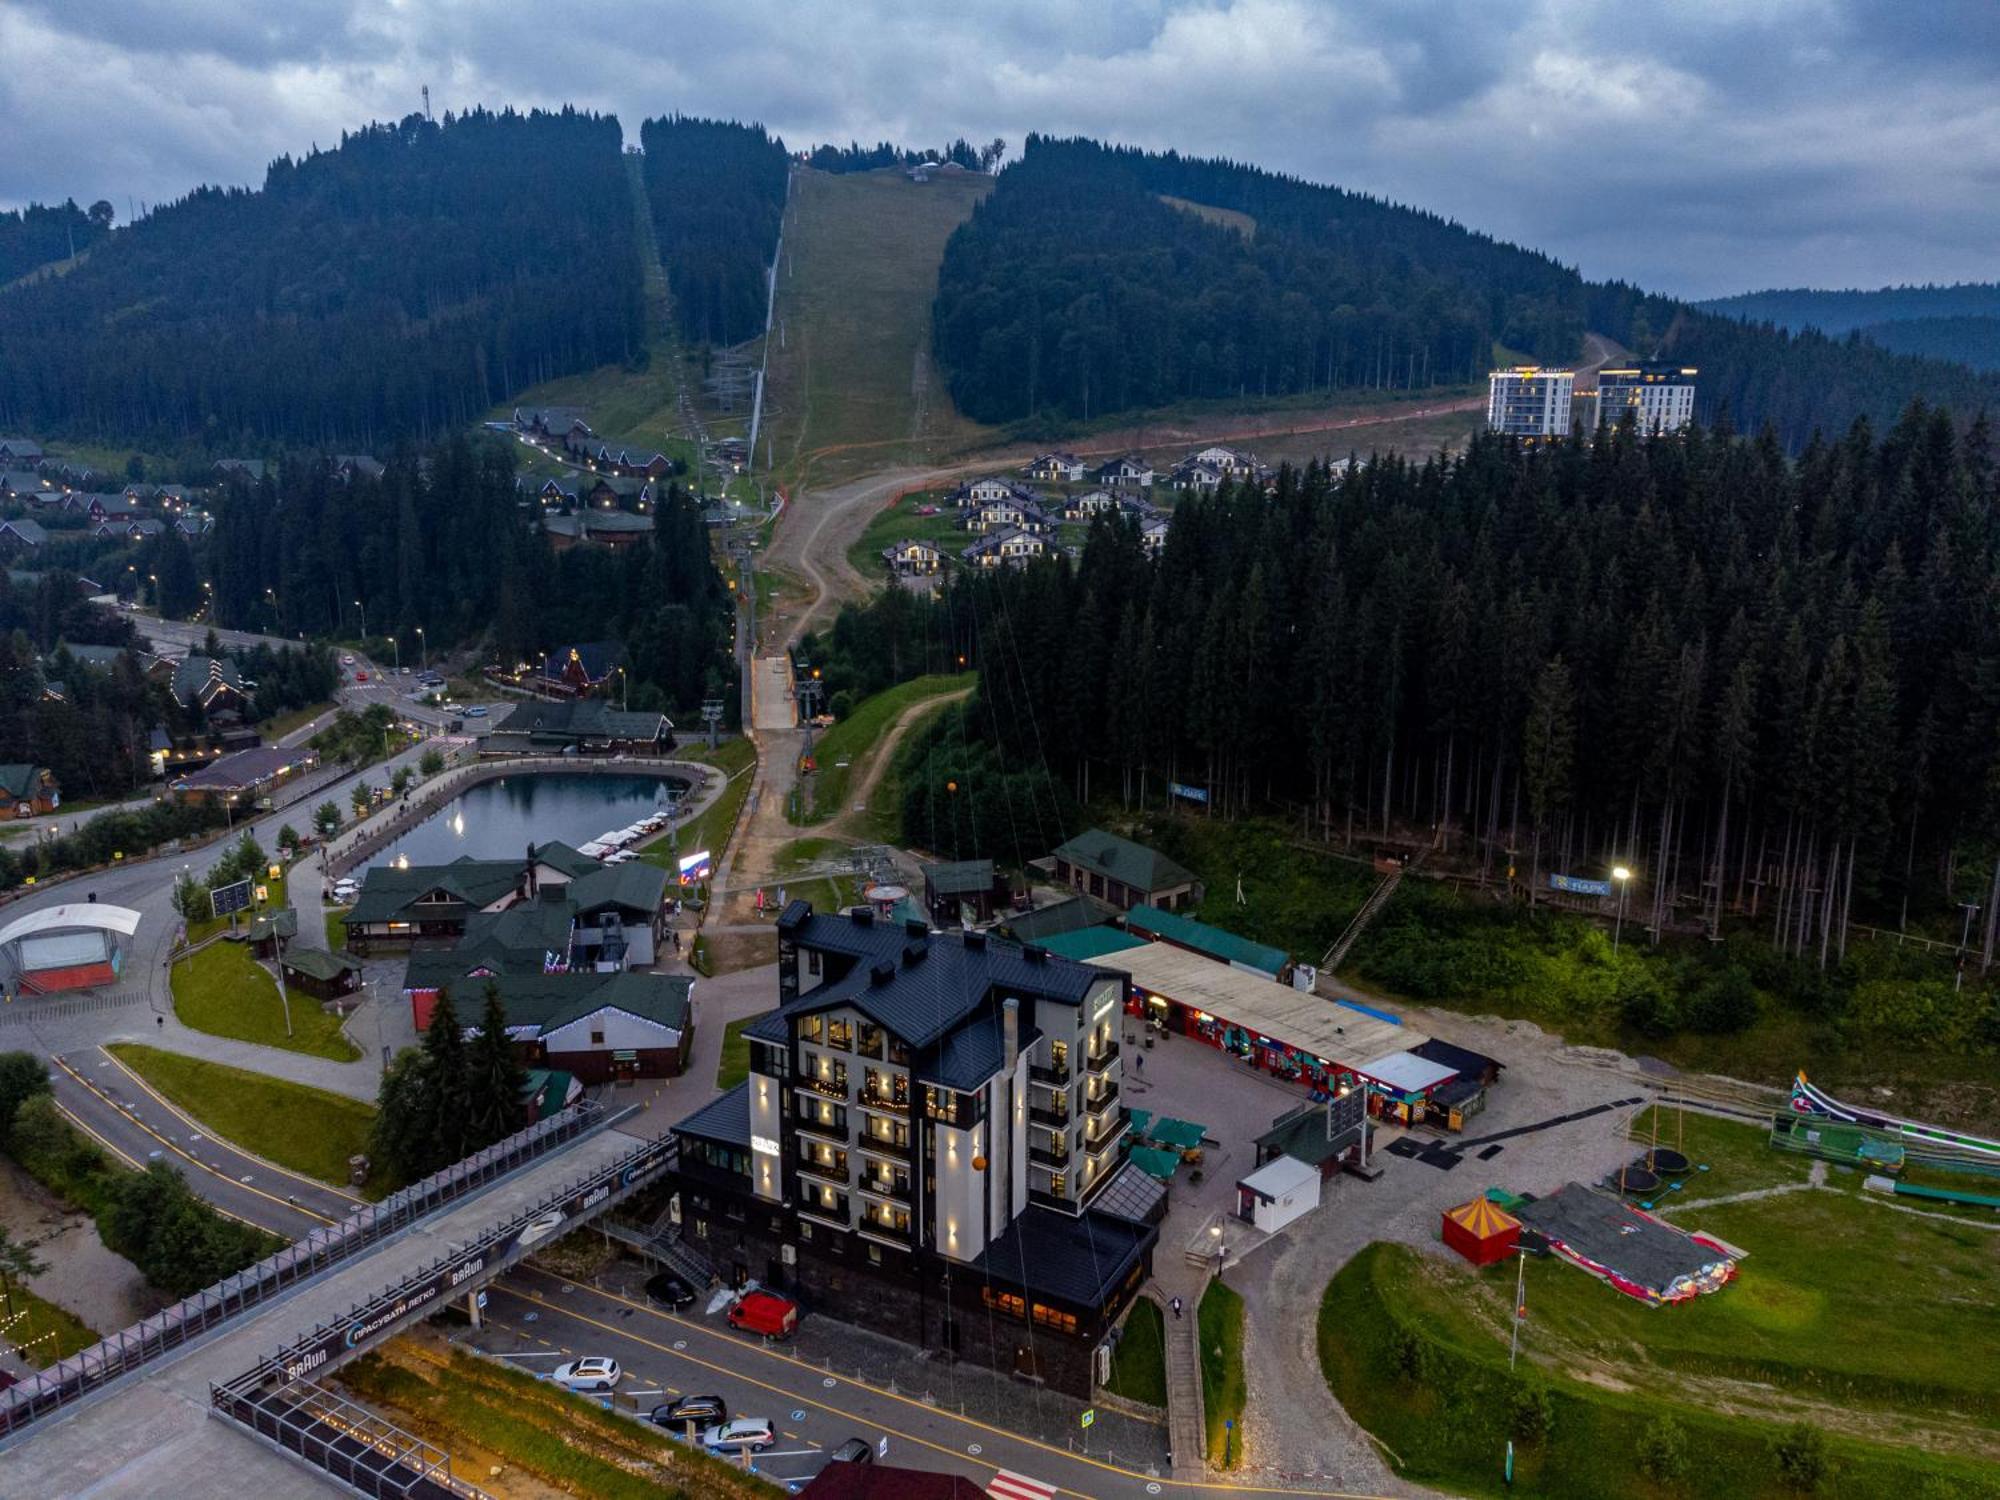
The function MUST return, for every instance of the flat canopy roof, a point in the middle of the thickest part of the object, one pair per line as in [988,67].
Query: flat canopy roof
[1299,1018]
[120,919]
[1408,1073]
[1279,1176]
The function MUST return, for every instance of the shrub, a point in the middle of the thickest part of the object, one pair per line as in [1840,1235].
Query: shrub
[1530,1412]
[1799,1452]
[1663,1455]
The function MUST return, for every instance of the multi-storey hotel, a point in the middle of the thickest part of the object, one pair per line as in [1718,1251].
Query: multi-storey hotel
[924,1144]
[1527,402]
[1659,396]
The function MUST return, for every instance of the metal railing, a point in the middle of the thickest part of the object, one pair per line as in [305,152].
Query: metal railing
[130,1349]
[358,1449]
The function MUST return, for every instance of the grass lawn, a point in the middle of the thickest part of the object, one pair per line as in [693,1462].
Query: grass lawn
[899,520]
[734,1065]
[336,928]
[1739,1158]
[831,893]
[1415,1349]
[222,990]
[1139,1363]
[1296,899]
[711,830]
[277,895]
[282,724]
[855,738]
[802,852]
[729,756]
[1220,1325]
[570,1442]
[306,1130]
[861,257]
[39,1331]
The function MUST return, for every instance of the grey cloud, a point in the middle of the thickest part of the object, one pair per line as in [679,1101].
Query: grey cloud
[1694,148]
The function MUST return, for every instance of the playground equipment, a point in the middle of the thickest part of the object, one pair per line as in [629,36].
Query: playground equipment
[1820,1125]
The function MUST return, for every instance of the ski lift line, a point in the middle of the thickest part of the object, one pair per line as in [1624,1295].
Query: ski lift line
[1808,1100]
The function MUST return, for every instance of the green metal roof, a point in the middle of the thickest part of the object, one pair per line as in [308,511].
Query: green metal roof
[388,892]
[1185,932]
[1044,922]
[1120,859]
[1091,942]
[637,885]
[961,877]
[549,1001]
[284,923]
[318,963]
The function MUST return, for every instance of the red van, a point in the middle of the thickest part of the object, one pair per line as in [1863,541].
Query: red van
[766,1313]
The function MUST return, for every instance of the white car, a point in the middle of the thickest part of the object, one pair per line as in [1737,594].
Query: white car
[745,1432]
[594,1373]
[347,661]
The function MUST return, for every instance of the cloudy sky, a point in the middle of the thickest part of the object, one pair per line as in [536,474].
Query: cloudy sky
[1695,146]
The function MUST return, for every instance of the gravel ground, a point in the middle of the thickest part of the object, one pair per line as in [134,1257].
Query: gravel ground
[100,1287]
[1296,1433]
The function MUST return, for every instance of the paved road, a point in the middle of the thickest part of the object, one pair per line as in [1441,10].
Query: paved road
[114,1106]
[544,1316]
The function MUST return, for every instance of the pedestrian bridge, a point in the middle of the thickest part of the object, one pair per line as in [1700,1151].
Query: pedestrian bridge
[135,1420]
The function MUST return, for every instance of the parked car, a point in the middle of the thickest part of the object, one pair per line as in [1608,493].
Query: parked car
[360,676]
[856,1450]
[708,1411]
[592,1373]
[927,510]
[765,1312]
[402,671]
[754,1433]
[670,1289]
[477,711]
[347,661]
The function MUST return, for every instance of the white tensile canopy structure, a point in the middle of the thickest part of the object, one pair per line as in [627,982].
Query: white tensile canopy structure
[119,919]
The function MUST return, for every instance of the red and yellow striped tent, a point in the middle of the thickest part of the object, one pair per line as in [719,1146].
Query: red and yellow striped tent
[1481,1231]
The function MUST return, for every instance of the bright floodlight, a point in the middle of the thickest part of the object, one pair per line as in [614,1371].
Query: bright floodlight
[1619,872]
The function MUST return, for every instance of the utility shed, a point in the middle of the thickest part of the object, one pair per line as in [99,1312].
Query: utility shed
[1276,1193]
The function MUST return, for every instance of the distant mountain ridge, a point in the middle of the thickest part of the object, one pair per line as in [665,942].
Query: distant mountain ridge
[1793,308]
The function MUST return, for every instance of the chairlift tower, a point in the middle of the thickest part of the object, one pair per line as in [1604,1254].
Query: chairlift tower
[711,715]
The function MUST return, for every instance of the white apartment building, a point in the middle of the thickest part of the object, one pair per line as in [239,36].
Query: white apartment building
[1529,402]
[1659,396]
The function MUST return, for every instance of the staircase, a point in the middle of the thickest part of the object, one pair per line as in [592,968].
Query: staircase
[1370,909]
[1187,1422]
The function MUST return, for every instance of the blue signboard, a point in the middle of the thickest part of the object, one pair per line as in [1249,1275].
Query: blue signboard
[1578,887]
[225,899]
[1187,793]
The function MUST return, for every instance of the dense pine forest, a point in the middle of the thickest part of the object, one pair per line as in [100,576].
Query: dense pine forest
[1075,290]
[1967,341]
[400,284]
[854,157]
[1769,686]
[443,541]
[717,190]
[40,234]
[1078,289]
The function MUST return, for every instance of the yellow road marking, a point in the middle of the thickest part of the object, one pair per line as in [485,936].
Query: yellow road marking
[141,1166]
[1000,1432]
[190,1156]
[193,1124]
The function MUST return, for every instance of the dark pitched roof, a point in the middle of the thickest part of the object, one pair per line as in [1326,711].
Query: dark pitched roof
[726,1118]
[245,768]
[1078,1260]
[27,529]
[386,892]
[1116,858]
[961,877]
[199,676]
[1477,1064]
[1227,947]
[599,659]
[923,987]
[284,923]
[637,886]
[319,963]
[580,719]
[1301,1134]
[1071,914]
[18,780]
[550,1001]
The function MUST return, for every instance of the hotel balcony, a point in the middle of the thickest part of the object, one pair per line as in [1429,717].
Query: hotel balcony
[1097,1145]
[1046,1156]
[826,1088]
[832,1130]
[820,1213]
[1103,1057]
[885,1188]
[819,1172]
[1052,1077]
[1105,1098]
[1055,1119]
[895,1150]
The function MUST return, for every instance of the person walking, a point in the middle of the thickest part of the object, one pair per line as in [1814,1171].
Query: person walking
[1177,1307]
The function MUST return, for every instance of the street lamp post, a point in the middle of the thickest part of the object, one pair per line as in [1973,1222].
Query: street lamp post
[364,620]
[424,646]
[1624,878]
[397,646]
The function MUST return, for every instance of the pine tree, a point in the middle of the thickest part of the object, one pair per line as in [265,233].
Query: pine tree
[495,1077]
[449,1073]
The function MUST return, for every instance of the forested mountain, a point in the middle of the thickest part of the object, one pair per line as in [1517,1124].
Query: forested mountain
[717,191]
[1844,311]
[40,233]
[401,284]
[442,541]
[1969,341]
[1076,291]
[1752,679]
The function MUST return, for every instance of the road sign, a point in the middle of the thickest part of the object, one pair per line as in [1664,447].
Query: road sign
[480,1301]
[1087,1418]
[227,899]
